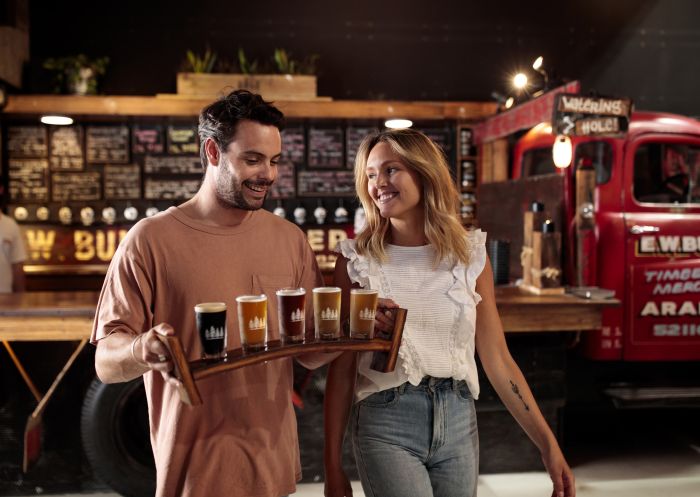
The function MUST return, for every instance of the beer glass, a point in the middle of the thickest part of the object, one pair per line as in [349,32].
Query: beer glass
[327,312]
[291,308]
[363,307]
[252,322]
[211,325]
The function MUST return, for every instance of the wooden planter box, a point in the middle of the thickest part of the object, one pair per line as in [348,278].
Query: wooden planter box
[270,86]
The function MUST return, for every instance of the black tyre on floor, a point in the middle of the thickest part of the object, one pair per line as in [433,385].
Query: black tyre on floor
[114,426]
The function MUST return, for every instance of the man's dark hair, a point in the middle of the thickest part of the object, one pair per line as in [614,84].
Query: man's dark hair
[219,120]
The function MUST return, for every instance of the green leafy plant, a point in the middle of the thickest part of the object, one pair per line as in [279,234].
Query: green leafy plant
[76,74]
[246,66]
[285,64]
[200,63]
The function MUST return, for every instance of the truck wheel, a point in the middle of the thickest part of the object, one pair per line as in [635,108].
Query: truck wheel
[115,433]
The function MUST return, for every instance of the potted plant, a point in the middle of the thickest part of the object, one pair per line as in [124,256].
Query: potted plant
[282,78]
[77,74]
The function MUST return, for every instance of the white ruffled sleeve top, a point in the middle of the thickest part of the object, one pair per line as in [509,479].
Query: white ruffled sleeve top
[438,338]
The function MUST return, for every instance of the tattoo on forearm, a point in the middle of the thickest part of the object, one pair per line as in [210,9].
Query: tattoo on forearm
[516,391]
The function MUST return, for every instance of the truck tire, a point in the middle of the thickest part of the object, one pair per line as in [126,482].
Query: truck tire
[115,433]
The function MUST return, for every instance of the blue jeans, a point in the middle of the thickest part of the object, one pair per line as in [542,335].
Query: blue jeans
[417,441]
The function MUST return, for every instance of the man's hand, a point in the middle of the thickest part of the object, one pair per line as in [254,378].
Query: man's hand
[149,350]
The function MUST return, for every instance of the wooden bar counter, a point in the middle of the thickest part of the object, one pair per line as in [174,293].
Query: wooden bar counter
[51,316]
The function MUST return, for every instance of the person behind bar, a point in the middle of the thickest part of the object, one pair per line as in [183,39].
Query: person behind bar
[414,430]
[220,244]
[13,255]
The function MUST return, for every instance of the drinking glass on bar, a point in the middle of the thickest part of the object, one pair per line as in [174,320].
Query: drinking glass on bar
[252,322]
[363,308]
[291,308]
[211,325]
[327,312]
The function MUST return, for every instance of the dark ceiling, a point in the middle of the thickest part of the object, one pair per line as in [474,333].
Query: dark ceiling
[409,50]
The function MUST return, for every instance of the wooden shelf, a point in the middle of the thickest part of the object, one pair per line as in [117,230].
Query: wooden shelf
[174,105]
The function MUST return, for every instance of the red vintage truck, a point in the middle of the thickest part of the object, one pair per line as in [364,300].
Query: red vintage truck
[636,231]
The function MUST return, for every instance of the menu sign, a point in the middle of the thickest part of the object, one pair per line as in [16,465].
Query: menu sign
[163,189]
[80,186]
[353,137]
[172,165]
[293,146]
[325,147]
[27,142]
[182,140]
[147,139]
[107,144]
[442,138]
[66,147]
[283,187]
[122,182]
[320,183]
[28,180]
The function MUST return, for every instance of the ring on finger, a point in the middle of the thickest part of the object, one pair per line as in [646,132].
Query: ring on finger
[162,358]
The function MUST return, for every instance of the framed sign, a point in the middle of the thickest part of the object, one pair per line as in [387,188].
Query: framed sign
[182,139]
[66,148]
[76,186]
[293,145]
[325,147]
[147,139]
[326,183]
[122,182]
[27,142]
[353,137]
[579,115]
[29,180]
[107,144]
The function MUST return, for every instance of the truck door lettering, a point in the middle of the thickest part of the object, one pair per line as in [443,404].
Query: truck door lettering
[676,330]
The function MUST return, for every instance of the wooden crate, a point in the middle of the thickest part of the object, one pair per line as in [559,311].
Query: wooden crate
[270,86]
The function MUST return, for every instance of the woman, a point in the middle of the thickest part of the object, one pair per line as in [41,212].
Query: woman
[414,430]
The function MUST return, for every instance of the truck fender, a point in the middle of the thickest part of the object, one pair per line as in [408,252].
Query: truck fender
[115,435]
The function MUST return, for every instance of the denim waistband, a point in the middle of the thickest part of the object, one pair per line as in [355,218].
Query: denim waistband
[432,383]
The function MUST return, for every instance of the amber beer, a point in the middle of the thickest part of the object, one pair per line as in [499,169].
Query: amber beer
[252,322]
[327,312]
[291,308]
[363,308]
[211,325]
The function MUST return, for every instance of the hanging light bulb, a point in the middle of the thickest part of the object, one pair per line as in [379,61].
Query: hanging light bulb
[562,151]
[520,81]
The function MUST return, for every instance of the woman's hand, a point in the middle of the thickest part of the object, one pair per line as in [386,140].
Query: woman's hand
[384,319]
[560,473]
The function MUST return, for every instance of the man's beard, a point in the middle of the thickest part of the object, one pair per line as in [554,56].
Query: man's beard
[229,192]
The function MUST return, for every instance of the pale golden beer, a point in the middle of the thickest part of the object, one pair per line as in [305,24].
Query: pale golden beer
[363,307]
[252,322]
[291,308]
[327,312]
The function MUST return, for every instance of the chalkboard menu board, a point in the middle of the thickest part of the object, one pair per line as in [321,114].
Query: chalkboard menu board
[80,186]
[172,165]
[122,182]
[320,183]
[283,187]
[293,146]
[182,140]
[27,142]
[147,139]
[325,147]
[442,137]
[353,137]
[107,144]
[66,147]
[29,180]
[162,189]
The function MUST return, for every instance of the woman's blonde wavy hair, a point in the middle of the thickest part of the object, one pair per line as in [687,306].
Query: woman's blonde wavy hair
[439,196]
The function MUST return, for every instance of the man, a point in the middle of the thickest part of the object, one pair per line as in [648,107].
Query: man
[220,244]
[12,257]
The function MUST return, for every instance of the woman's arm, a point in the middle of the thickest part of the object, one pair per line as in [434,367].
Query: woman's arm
[510,385]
